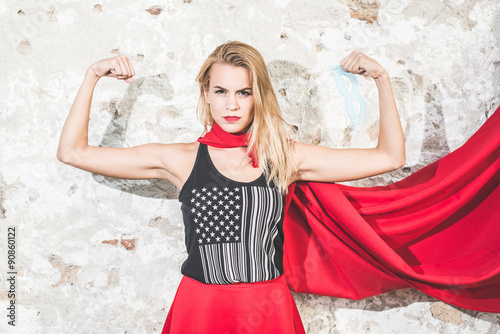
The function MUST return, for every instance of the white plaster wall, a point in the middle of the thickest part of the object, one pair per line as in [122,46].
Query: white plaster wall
[98,255]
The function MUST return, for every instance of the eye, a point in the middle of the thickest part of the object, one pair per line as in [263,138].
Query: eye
[220,91]
[245,93]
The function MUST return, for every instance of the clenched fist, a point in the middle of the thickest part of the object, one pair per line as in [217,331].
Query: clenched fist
[116,67]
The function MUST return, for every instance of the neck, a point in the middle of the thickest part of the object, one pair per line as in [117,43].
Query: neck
[217,137]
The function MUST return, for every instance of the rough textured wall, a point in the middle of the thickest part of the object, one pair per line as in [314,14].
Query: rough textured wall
[103,255]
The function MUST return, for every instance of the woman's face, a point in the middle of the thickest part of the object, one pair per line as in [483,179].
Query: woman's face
[230,97]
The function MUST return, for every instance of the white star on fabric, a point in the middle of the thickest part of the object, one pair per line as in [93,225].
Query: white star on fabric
[218,211]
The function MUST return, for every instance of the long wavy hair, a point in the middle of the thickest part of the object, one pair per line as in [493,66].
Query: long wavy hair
[268,136]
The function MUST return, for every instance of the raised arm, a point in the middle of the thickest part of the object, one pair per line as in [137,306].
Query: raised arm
[149,161]
[315,163]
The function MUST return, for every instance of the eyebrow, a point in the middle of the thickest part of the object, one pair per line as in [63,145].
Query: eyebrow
[239,90]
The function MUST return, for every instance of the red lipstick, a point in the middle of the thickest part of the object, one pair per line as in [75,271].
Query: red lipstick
[231,118]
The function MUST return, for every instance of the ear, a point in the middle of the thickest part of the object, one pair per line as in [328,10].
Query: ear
[205,93]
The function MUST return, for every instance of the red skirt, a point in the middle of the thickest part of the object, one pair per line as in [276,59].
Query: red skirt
[260,307]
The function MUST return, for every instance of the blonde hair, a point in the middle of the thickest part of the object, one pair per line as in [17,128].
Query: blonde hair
[268,137]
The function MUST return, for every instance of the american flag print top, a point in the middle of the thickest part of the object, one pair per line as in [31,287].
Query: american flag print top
[234,230]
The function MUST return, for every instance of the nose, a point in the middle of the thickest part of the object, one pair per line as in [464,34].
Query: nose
[232,103]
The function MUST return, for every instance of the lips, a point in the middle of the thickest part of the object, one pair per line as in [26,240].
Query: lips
[231,118]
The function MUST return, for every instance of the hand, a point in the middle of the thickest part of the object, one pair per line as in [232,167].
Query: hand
[359,63]
[116,67]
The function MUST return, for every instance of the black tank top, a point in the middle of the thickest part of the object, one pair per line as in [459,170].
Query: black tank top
[234,230]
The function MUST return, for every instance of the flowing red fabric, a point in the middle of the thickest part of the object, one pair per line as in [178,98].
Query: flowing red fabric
[437,230]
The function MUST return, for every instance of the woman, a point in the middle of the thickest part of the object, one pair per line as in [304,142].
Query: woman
[232,181]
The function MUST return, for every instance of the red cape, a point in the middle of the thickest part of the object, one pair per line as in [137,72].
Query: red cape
[437,230]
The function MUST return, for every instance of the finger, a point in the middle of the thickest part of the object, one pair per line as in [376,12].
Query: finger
[348,62]
[123,77]
[122,67]
[115,68]
[130,67]
[131,70]
[356,63]
[126,64]
[126,78]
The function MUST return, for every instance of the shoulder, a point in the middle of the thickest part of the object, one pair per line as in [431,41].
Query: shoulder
[300,151]
[179,159]
[181,148]
[175,154]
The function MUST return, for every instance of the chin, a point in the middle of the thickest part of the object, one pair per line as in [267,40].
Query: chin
[233,128]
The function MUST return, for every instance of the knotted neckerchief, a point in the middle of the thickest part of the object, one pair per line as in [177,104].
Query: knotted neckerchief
[217,137]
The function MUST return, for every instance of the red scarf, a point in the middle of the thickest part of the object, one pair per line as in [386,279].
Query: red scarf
[217,137]
[436,230]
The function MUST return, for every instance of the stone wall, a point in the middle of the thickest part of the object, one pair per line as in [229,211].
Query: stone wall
[101,255]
